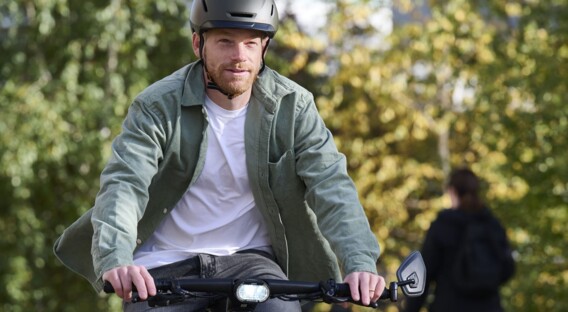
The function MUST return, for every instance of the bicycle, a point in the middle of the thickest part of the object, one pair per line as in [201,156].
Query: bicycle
[245,294]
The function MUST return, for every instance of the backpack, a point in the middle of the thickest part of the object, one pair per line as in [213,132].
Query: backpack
[479,263]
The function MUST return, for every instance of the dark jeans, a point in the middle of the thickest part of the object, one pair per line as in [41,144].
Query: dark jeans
[253,264]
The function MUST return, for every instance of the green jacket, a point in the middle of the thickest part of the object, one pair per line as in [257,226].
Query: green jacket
[298,178]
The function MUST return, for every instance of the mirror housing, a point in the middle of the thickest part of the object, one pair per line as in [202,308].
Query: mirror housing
[411,275]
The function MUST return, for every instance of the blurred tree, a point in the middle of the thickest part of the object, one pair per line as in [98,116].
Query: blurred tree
[457,83]
[68,71]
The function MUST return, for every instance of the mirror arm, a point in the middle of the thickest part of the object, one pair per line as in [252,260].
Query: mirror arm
[407,282]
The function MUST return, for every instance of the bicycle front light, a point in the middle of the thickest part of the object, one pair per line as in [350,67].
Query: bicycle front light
[252,291]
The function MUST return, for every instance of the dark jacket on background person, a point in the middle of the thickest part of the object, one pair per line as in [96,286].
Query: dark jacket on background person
[439,252]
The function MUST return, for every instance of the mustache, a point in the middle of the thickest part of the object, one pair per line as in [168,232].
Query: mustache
[238,66]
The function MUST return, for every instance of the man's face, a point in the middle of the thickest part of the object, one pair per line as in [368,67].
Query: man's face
[233,57]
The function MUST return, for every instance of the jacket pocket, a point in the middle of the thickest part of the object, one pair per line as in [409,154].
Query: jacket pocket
[282,173]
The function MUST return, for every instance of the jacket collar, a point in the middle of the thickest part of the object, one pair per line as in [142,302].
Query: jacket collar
[270,89]
[193,87]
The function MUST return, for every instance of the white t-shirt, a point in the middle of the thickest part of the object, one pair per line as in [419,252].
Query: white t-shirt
[217,215]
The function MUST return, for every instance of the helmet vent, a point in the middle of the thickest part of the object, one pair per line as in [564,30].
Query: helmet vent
[204,5]
[243,15]
[272,10]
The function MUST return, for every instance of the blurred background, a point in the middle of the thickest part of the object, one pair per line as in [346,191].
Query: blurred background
[410,89]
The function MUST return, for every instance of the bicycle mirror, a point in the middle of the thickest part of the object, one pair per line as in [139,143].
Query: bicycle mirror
[411,275]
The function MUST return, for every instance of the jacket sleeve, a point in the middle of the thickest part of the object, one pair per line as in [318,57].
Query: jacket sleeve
[331,193]
[123,195]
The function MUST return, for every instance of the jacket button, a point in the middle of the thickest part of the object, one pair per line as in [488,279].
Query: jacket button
[139,241]
[165,210]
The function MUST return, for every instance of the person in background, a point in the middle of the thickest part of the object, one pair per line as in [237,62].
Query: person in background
[444,248]
[224,169]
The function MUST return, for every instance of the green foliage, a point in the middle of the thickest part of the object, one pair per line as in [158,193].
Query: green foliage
[69,70]
[459,83]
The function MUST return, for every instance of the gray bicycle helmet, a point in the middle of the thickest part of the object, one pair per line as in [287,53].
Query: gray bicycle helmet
[259,15]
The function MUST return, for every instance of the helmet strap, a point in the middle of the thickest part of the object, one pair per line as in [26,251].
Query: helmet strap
[263,53]
[211,84]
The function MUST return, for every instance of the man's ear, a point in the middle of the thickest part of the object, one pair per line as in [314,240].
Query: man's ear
[195,44]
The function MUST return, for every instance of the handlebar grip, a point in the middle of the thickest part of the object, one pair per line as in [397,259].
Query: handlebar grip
[386,294]
[342,290]
[107,288]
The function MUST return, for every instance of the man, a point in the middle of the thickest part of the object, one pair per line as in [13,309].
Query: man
[224,169]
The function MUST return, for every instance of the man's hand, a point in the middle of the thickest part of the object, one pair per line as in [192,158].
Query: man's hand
[365,287]
[122,278]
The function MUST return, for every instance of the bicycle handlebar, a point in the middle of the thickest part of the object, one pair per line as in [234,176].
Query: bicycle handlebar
[411,277]
[330,291]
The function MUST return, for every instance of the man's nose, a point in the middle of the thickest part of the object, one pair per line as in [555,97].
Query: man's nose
[239,52]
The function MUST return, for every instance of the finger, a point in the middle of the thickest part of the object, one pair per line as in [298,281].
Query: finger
[379,284]
[126,282]
[149,281]
[353,281]
[364,279]
[112,277]
[139,282]
[143,282]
